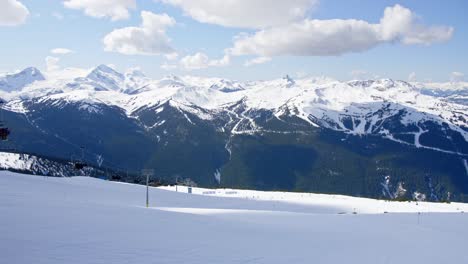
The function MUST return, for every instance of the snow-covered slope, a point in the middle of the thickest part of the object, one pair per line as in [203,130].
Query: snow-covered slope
[456,92]
[27,163]
[447,86]
[106,78]
[85,220]
[21,162]
[376,107]
[16,81]
[328,203]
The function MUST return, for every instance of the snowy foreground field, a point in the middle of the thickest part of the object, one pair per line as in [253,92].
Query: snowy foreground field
[86,220]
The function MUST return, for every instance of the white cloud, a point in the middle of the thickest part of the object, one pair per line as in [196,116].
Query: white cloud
[194,62]
[115,9]
[52,64]
[338,36]
[258,60]
[12,13]
[61,51]
[457,77]
[148,39]
[399,23]
[245,13]
[224,61]
[172,56]
[201,61]
[412,77]
[309,38]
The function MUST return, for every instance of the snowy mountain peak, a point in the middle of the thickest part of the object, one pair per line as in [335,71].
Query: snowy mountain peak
[32,71]
[227,86]
[172,81]
[16,81]
[107,77]
[105,68]
[289,82]
[134,80]
[381,84]
[134,73]
[172,77]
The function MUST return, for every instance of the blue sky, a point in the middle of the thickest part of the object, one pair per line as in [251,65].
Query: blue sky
[429,53]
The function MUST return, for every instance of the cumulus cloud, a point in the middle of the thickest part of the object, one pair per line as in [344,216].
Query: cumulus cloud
[399,23]
[258,60]
[309,38]
[194,62]
[115,9]
[224,61]
[148,39]
[338,36]
[12,13]
[200,60]
[52,64]
[245,13]
[61,51]
[457,77]
[172,56]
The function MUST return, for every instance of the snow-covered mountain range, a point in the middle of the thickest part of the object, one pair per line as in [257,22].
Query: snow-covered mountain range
[355,107]
[152,121]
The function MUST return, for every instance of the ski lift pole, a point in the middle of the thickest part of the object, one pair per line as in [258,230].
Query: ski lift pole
[147,190]
[147,173]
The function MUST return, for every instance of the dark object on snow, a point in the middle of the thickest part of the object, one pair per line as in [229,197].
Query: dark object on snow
[4,132]
[79,165]
[116,177]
